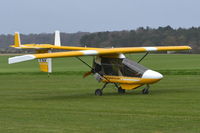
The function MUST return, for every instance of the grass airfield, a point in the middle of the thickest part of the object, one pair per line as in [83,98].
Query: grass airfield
[32,102]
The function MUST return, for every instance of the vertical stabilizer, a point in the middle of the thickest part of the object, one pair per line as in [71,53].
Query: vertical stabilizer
[57,38]
[17,41]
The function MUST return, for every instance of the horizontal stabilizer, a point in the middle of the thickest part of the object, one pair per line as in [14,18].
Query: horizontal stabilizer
[22,58]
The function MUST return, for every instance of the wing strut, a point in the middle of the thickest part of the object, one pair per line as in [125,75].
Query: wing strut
[84,62]
[143,57]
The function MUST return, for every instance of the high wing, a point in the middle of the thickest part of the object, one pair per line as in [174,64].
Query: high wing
[93,52]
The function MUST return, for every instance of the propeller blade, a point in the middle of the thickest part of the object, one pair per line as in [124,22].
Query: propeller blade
[87,74]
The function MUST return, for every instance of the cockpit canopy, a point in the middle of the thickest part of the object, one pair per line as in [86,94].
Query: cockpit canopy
[119,67]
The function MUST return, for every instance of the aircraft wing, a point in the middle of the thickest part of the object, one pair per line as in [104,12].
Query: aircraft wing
[103,51]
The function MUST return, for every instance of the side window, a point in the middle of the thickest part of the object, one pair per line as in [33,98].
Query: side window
[111,66]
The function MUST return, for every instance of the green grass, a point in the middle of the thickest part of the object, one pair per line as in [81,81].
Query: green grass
[64,102]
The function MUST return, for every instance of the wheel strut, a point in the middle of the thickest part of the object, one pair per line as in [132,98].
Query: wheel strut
[99,92]
[146,89]
[119,89]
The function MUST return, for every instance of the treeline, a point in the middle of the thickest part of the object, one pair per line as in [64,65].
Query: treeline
[161,36]
[67,39]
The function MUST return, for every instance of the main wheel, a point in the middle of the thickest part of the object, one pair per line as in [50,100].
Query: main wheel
[145,91]
[98,92]
[121,91]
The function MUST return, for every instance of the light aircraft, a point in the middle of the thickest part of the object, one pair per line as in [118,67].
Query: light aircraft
[109,65]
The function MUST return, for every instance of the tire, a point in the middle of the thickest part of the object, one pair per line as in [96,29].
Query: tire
[98,92]
[121,91]
[145,91]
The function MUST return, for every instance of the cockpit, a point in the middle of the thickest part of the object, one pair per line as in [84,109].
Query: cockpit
[119,67]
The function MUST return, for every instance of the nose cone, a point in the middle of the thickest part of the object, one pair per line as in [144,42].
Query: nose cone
[149,74]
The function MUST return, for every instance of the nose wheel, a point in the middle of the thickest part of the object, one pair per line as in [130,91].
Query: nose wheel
[146,90]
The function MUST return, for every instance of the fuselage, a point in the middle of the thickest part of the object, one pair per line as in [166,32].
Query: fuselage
[127,73]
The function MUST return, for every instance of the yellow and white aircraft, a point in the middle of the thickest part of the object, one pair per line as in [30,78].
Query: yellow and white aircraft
[109,65]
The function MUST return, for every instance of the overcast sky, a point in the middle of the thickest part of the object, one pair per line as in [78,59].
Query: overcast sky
[36,16]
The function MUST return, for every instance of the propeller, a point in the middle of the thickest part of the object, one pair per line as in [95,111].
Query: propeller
[87,74]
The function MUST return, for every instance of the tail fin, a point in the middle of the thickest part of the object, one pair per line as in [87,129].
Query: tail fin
[57,38]
[17,41]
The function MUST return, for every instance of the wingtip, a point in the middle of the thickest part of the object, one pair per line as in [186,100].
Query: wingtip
[189,47]
[22,58]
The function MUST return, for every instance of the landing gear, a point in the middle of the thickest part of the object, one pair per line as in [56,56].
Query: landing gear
[121,91]
[99,92]
[146,90]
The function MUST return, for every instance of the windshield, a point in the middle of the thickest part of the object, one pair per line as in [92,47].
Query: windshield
[134,65]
